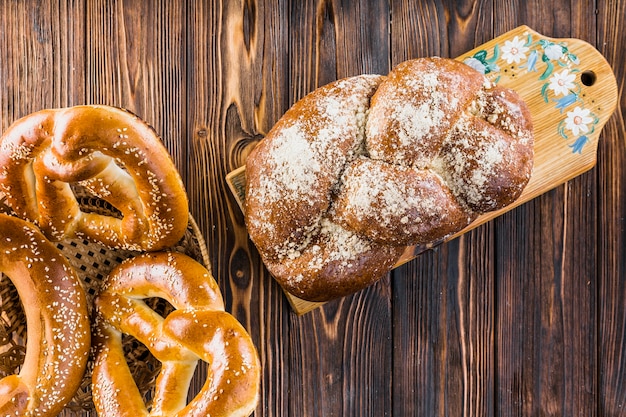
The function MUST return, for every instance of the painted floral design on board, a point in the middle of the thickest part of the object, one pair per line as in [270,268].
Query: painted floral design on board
[557,67]
[514,50]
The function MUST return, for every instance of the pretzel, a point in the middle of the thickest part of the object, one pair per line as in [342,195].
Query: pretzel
[363,167]
[199,329]
[111,153]
[57,324]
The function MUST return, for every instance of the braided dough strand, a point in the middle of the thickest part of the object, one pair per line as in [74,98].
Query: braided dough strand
[106,150]
[58,330]
[199,329]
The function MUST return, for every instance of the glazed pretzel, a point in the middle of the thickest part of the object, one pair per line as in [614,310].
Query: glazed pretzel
[363,167]
[199,329]
[57,324]
[108,151]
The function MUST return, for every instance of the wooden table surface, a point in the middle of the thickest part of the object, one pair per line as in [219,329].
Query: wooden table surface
[523,316]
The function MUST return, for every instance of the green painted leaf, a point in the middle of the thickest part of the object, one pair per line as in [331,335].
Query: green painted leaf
[496,54]
[481,55]
[548,71]
[544,92]
[561,129]
[529,40]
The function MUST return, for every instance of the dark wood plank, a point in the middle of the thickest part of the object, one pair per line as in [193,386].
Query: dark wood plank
[341,358]
[611,243]
[443,305]
[333,346]
[546,299]
[238,89]
[42,57]
[444,331]
[546,310]
[135,59]
[224,48]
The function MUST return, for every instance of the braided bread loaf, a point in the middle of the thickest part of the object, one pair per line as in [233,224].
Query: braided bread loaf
[362,167]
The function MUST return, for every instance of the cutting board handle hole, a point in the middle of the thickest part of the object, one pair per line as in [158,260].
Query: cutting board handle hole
[588,78]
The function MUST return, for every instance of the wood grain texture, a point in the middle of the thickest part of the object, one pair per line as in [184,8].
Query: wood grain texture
[329,347]
[522,316]
[611,241]
[444,300]
[537,377]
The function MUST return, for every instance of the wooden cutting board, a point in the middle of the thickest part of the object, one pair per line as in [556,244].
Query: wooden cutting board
[571,91]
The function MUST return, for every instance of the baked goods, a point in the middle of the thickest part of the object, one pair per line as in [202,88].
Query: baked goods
[109,152]
[58,331]
[199,329]
[360,168]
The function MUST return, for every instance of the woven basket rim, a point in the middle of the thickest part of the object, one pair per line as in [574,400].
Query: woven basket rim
[204,250]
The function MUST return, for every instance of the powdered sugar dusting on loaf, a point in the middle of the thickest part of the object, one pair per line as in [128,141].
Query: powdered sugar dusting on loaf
[340,245]
[417,121]
[469,175]
[374,195]
[345,245]
[294,162]
[475,156]
[412,111]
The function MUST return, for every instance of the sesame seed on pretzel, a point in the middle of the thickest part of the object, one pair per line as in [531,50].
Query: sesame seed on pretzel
[57,323]
[197,330]
[108,151]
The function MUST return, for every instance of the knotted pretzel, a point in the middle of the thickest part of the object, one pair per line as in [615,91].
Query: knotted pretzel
[363,167]
[110,152]
[57,324]
[199,329]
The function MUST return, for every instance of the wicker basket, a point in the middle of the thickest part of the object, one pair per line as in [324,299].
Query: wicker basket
[92,263]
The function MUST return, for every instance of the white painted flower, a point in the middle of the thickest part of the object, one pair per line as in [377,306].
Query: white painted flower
[514,50]
[553,51]
[476,64]
[577,120]
[561,82]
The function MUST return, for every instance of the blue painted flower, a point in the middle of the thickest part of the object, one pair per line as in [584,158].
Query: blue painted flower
[577,147]
[568,100]
[531,64]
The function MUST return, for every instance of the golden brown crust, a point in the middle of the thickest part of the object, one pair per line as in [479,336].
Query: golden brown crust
[199,329]
[398,205]
[413,110]
[333,253]
[58,330]
[108,151]
[383,162]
